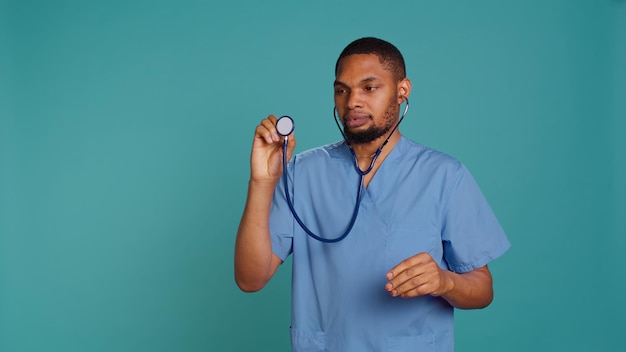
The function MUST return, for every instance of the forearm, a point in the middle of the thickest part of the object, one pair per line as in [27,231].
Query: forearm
[254,262]
[471,290]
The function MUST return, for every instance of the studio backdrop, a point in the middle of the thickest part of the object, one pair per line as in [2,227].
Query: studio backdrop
[125,135]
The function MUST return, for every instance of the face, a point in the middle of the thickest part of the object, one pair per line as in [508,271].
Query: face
[367,98]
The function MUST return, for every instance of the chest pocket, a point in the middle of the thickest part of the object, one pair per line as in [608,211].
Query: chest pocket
[404,242]
[308,341]
[424,343]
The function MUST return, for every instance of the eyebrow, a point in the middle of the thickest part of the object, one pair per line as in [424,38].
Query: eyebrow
[364,80]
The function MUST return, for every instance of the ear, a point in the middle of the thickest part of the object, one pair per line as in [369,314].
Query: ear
[404,90]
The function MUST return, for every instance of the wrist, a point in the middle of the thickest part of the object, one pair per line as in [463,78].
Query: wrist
[261,188]
[448,282]
[263,183]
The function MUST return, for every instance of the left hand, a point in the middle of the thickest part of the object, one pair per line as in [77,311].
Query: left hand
[418,275]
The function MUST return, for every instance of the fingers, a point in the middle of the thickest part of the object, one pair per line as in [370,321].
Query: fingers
[416,276]
[266,160]
[267,130]
[417,259]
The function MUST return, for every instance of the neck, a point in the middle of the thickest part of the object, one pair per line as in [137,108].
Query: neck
[366,151]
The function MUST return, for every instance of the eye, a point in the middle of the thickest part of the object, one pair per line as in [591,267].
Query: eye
[340,90]
[370,88]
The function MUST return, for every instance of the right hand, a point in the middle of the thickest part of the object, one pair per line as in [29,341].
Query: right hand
[266,162]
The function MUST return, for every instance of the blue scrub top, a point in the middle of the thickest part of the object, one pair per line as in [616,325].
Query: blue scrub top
[419,200]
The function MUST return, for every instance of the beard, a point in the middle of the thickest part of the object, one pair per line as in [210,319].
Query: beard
[373,132]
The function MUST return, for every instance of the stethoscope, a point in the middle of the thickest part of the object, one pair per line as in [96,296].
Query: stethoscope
[284,127]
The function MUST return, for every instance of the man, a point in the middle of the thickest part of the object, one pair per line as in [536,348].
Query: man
[421,241]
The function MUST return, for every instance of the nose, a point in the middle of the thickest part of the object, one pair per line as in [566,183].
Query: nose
[354,100]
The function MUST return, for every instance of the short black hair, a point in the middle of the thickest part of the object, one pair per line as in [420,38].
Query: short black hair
[389,56]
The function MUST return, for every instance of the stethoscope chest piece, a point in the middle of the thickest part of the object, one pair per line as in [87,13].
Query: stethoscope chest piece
[284,125]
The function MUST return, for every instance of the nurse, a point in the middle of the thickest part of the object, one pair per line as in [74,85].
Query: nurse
[421,242]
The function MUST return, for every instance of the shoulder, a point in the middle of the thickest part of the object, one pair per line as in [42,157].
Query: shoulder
[428,159]
[328,151]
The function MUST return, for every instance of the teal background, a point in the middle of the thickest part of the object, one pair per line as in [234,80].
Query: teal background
[125,132]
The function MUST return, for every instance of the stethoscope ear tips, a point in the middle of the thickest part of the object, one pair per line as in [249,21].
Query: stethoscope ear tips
[284,126]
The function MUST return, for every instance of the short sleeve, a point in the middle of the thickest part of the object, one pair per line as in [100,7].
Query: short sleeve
[471,234]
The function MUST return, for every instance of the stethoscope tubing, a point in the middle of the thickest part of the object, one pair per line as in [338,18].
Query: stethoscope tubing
[301,223]
[361,173]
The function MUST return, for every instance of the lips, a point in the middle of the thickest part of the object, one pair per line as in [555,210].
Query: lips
[356,120]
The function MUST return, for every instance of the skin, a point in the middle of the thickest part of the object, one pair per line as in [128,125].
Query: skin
[366,95]
[255,263]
